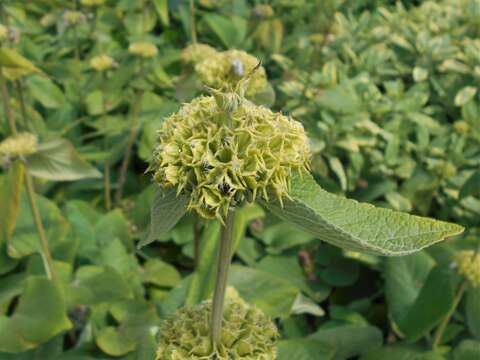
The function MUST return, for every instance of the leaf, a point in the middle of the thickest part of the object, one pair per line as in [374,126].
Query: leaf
[420,74]
[167,210]
[472,311]
[467,350]
[337,168]
[304,305]
[357,226]
[10,58]
[40,315]
[403,352]
[160,273]
[58,160]
[230,31]
[464,95]
[471,186]
[304,349]
[10,188]
[349,340]
[115,342]
[45,92]
[431,305]
[162,10]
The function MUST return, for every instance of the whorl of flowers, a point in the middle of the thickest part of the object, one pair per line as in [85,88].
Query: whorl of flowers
[92,3]
[263,11]
[247,334]
[23,144]
[196,53]
[226,68]
[74,17]
[143,49]
[223,150]
[468,266]
[102,62]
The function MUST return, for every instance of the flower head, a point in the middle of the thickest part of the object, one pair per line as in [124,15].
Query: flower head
[23,144]
[196,53]
[468,266]
[247,333]
[263,11]
[102,63]
[143,49]
[224,150]
[74,17]
[225,69]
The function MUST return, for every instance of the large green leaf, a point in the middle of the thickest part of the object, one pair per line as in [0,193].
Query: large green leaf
[45,91]
[304,349]
[472,308]
[167,210]
[59,161]
[40,315]
[357,226]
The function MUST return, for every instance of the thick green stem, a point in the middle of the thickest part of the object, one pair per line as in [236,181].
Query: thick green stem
[224,259]
[196,240]
[128,152]
[443,325]
[192,22]
[45,251]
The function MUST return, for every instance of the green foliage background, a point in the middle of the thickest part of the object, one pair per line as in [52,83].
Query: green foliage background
[388,93]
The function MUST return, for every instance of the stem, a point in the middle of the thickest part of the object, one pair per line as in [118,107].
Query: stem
[196,241]
[106,164]
[446,319]
[224,259]
[45,251]
[6,104]
[192,20]
[128,152]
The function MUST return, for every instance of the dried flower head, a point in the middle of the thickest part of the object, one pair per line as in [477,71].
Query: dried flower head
[224,150]
[247,334]
[226,68]
[263,11]
[92,3]
[468,266]
[102,63]
[74,17]
[3,32]
[23,144]
[143,49]
[196,53]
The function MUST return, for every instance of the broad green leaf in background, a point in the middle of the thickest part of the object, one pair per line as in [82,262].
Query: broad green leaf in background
[10,58]
[160,273]
[467,350]
[167,209]
[401,352]
[349,340]
[465,95]
[40,315]
[473,311]
[58,160]
[357,226]
[304,349]
[10,188]
[45,92]
[162,10]
[471,186]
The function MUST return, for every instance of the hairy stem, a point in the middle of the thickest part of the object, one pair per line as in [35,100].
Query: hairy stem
[443,325]
[224,259]
[106,164]
[192,20]
[45,251]
[196,240]
[21,102]
[128,152]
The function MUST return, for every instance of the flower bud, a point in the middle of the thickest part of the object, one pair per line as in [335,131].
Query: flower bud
[196,53]
[223,150]
[102,63]
[247,334]
[225,69]
[74,17]
[23,144]
[143,49]
[468,266]
[461,127]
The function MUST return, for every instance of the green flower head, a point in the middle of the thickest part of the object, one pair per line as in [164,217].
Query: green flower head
[224,150]
[23,144]
[247,334]
[468,266]
[102,63]
[225,69]
[143,49]
[196,53]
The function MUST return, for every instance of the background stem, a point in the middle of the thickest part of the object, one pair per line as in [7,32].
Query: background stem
[106,164]
[224,259]
[192,21]
[196,240]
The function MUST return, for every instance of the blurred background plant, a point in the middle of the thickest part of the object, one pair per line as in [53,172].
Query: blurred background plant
[388,92]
